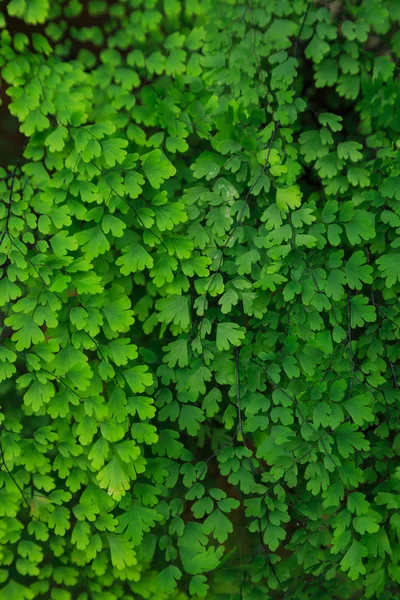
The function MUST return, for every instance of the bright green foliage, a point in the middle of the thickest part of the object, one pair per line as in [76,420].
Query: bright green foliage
[199,300]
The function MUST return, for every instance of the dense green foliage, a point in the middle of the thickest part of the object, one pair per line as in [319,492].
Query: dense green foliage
[199,279]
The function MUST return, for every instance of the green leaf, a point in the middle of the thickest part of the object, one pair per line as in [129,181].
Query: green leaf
[166,580]
[8,291]
[137,521]
[317,49]
[357,271]
[190,418]
[207,165]
[359,408]
[350,150]
[26,331]
[288,198]
[93,242]
[352,560]
[113,478]
[157,168]
[331,120]
[198,586]
[367,523]
[177,353]
[113,152]
[118,314]
[361,311]
[122,554]
[389,265]
[174,309]
[134,258]
[16,590]
[138,378]
[390,188]
[348,439]
[219,525]
[134,183]
[229,334]
[55,141]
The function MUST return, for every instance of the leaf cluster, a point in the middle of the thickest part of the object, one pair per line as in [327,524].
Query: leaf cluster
[199,300]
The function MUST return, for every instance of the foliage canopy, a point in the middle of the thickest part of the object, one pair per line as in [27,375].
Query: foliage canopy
[199,282]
